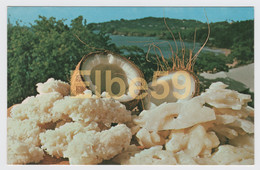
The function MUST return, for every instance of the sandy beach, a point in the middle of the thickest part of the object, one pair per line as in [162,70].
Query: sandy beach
[243,74]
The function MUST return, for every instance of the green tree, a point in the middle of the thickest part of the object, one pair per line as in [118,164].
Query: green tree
[210,62]
[49,48]
[243,46]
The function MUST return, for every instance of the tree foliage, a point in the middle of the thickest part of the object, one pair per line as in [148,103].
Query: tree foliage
[243,46]
[210,62]
[49,48]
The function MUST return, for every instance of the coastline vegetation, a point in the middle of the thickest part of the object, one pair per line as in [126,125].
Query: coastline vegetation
[51,48]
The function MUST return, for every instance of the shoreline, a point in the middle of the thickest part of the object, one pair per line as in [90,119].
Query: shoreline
[225,51]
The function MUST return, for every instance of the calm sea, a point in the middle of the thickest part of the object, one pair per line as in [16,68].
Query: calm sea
[164,45]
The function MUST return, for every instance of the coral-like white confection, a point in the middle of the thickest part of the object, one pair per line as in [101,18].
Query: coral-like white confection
[244,141]
[100,110]
[92,147]
[153,156]
[185,158]
[37,108]
[231,123]
[55,142]
[52,85]
[88,93]
[228,154]
[243,113]
[181,115]
[235,122]
[149,139]
[195,141]
[218,96]
[24,130]
[88,129]
[19,152]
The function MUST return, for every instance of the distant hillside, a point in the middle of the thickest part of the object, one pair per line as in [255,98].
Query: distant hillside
[149,26]
[222,34]
[237,36]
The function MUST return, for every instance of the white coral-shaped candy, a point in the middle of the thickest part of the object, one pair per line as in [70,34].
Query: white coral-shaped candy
[37,108]
[52,85]
[181,115]
[153,156]
[101,110]
[24,130]
[244,141]
[228,154]
[218,96]
[149,139]
[230,123]
[19,152]
[93,147]
[55,142]
[195,141]
[23,142]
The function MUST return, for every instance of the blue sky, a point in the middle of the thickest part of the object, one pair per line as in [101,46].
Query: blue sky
[102,14]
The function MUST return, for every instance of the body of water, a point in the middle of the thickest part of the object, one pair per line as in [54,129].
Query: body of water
[164,45]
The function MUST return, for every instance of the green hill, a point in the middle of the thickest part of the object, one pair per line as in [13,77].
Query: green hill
[149,26]
[237,36]
[222,33]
